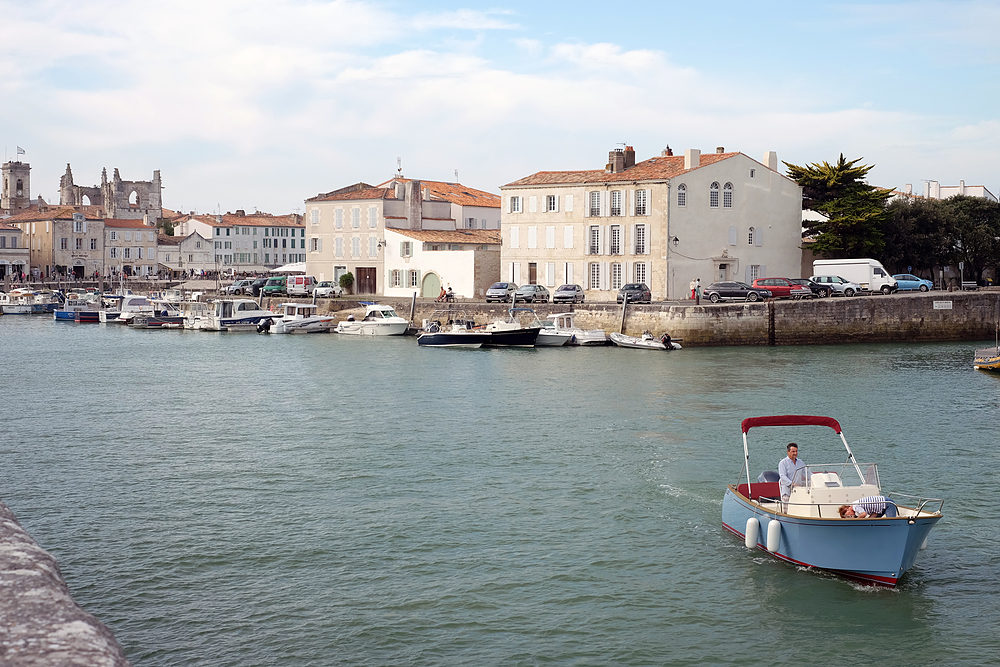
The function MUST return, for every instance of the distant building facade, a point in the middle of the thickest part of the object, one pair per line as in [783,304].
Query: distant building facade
[934,190]
[664,222]
[119,200]
[186,255]
[247,243]
[130,248]
[15,258]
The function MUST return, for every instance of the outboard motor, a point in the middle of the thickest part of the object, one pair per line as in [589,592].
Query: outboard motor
[264,326]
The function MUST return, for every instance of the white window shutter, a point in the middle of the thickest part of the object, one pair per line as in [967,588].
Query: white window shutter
[606,242]
[604,275]
[532,204]
[758,236]
[319,245]
[630,194]
[569,203]
[605,204]
[732,236]
[586,204]
[557,203]
[568,236]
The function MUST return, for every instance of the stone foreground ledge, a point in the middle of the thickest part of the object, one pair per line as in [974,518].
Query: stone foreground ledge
[40,624]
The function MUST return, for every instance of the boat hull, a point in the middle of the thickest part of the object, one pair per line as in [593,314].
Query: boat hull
[987,359]
[873,551]
[513,338]
[552,338]
[369,328]
[471,339]
[632,342]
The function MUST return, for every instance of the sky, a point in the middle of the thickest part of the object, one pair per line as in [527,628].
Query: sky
[260,105]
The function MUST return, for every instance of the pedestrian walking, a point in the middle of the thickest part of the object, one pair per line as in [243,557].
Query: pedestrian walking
[697,291]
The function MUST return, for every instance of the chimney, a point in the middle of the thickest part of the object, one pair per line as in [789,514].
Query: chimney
[692,158]
[720,149]
[629,157]
[771,160]
[908,189]
[414,206]
[425,194]
[616,161]
[400,190]
[667,152]
[240,213]
[961,187]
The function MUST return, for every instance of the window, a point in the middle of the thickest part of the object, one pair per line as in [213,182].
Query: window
[93,244]
[568,236]
[682,195]
[616,202]
[314,216]
[595,204]
[616,276]
[138,253]
[515,237]
[616,240]
[114,253]
[594,275]
[405,249]
[126,253]
[515,204]
[551,203]
[79,244]
[642,202]
[713,195]
[640,272]
[339,249]
[372,217]
[151,236]
[641,245]
[470,223]
[394,278]
[750,236]
[114,235]
[594,240]
[414,278]
[356,247]
[355,217]
[338,219]
[128,236]
[753,172]
[550,236]
[64,244]
[755,272]
[197,245]
[314,244]
[532,236]
[372,246]
[727,195]
[550,274]
[79,226]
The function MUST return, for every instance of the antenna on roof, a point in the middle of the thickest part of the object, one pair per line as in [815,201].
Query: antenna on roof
[399,167]
[456,176]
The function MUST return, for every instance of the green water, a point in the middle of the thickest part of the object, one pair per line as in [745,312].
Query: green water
[234,499]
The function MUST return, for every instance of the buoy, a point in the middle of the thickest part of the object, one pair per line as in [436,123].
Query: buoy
[753,530]
[773,536]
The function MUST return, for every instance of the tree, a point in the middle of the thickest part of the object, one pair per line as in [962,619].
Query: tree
[854,212]
[975,234]
[347,281]
[917,235]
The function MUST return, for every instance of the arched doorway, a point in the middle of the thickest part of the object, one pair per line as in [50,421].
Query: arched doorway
[431,285]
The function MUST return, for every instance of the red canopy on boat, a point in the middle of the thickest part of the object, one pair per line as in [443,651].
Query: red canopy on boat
[790,420]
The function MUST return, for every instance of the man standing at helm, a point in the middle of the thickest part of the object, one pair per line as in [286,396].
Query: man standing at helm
[787,469]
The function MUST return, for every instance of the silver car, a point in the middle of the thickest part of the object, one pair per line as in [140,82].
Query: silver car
[501,292]
[531,294]
[571,293]
[838,285]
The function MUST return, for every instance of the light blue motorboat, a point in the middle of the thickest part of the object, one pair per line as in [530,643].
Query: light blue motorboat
[808,529]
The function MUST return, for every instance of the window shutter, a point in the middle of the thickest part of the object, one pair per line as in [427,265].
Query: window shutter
[604,275]
[605,242]
[758,236]
[532,204]
[649,203]
[630,194]
[732,236]
[586,204]
[631,239]
[569,203]
[605,203]
[557,203]
[319,245]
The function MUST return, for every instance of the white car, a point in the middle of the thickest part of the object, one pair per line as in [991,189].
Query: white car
[327,289]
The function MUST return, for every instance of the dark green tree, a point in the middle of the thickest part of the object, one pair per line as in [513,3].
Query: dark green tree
[917,234]
[975,233]
[854,213]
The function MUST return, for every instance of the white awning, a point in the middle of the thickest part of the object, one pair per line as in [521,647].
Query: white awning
[294,267]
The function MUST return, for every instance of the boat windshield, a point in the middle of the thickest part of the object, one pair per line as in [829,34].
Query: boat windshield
[837,475]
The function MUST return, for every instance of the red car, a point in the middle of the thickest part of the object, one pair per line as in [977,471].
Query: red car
[783,288]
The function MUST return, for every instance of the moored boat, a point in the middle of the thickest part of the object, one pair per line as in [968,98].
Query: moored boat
[296,318]
[565,322]
[645,342]
[988,358]
[230,314]
[379,320]
[460,331]
[809,529]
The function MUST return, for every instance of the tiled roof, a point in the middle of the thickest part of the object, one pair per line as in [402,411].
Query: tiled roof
[163,239]
[253,220]
[4,227]
[356,195]
[454,193]
[125,224]
[653,169]
[47,212]
[477,236]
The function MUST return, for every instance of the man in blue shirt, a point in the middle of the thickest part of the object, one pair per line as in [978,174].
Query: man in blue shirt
[787,469]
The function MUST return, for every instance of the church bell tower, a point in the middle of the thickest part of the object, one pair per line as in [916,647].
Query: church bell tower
[16,193]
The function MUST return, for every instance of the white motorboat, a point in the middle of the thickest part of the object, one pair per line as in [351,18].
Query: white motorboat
[459,331]
[564,322]
[299,318]
[379,320]
[229,314]
[645,342]
[128,307]
[548,335]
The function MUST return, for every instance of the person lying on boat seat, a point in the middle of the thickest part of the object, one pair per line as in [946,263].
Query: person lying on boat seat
[869,507]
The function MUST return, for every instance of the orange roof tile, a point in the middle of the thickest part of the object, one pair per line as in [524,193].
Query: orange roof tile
[653,169]
[477,236]
[454,193]
[118,223]
[252,220]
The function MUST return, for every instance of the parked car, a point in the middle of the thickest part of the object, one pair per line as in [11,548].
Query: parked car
[733,290]
[571,293]
[256,286]
[500,292]
[531,294]
[636,292]
[839,285]
[783,288]
[327,289]
[907,281]
[239,287]
[815,288]
[300,285]
[274,286]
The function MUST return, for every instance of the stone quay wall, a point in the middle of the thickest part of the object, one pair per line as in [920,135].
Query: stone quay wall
[932,316]
[42,625]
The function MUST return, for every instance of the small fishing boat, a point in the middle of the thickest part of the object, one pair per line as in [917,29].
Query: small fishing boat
[299,318]
[988,358]
[809,528]
[548,335]
[165,315]
[380,320]
[511,332]
[459,331]
[645,342]
[231,314]
[565,323]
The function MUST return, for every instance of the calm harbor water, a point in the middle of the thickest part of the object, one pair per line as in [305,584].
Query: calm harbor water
[234,499]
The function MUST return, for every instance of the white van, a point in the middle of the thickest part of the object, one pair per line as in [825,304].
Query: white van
[300,285]
[868,273]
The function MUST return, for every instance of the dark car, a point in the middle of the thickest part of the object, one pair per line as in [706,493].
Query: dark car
[531,294]
[733,290]
[256,285]
[570,293]
[501,292]
[782,288]
[817,289]
[636,293]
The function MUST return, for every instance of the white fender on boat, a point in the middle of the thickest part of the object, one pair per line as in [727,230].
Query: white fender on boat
[773,536]
[753,530]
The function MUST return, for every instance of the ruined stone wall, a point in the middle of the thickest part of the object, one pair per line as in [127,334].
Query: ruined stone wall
[41,624]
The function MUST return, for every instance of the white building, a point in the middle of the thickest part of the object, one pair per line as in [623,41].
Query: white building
[664,222]
[404,236]
[248,243]
[191,254]
[934,190]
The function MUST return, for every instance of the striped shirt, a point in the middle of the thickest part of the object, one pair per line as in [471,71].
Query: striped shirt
[871,505]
